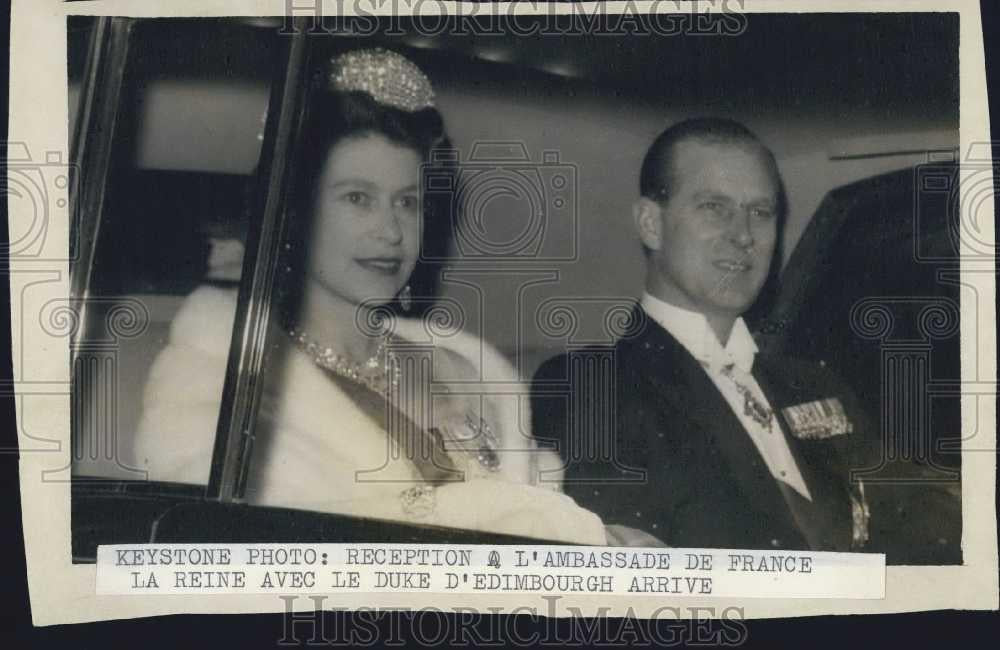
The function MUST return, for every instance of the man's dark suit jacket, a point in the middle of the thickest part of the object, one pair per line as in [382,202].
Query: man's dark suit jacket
[669,456]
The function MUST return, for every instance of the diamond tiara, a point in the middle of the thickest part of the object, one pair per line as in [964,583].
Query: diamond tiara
[390,78]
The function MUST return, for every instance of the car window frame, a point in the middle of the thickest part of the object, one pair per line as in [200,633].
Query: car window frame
[92,148]
[241,394]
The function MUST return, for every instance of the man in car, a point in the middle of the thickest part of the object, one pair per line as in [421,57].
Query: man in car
[708,443]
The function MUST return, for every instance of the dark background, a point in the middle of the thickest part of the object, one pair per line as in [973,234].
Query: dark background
[948,629]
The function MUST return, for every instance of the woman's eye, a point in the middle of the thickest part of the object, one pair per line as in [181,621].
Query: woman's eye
[409,202]
[763,214]
[711,206]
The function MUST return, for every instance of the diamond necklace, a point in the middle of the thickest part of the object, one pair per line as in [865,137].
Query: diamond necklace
[377,374]
[373,374]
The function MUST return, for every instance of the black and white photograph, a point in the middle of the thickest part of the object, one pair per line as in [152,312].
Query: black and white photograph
[648,281]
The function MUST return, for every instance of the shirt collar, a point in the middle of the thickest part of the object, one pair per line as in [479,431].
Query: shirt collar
[691,329]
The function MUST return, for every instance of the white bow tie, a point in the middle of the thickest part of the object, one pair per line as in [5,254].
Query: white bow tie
[724,359]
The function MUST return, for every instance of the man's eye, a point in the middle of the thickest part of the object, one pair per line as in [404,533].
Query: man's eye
[711,206]
[357,198]
[762,213]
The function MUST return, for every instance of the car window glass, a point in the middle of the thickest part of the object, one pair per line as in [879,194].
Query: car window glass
[184,150]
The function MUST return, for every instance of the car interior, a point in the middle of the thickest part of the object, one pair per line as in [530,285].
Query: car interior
[182,186]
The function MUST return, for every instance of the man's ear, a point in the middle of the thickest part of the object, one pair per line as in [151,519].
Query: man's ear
[648,222]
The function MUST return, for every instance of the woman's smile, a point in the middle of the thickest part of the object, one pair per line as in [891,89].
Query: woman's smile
[388,266]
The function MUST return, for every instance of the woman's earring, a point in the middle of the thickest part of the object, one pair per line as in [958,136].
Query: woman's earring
[406,298]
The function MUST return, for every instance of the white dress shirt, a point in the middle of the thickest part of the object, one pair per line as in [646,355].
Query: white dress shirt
[730,368]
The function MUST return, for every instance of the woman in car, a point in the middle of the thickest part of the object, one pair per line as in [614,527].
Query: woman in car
[349,420]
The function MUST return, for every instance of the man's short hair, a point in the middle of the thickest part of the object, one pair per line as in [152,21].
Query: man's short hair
[655,178]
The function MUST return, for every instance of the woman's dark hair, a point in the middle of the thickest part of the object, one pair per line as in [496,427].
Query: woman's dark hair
[331,117]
